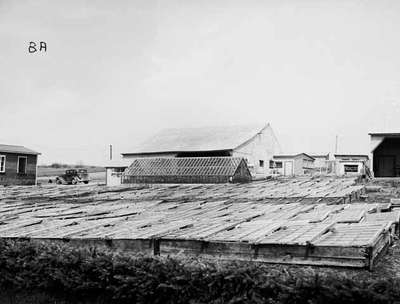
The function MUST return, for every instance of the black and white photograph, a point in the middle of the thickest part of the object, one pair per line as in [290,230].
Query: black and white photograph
[199,151]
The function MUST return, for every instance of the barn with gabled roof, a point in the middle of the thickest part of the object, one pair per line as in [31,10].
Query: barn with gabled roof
[256,144]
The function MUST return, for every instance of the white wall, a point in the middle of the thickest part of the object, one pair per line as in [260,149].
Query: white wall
[113,176]
[320,162]
[281,171]
[340,167]
[262,147]
[300,165]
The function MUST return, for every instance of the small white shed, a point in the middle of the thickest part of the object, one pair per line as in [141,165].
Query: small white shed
[114,170]
[289,165]
[351,164]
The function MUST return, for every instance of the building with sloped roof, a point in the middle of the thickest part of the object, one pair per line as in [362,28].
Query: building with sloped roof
[351,164]
[18,165]
[323,162]
[187,170]
[114,170]
[293,164]
[256,144]
[385,154]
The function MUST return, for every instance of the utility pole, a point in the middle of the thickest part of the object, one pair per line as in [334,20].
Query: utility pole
[336,145]
[110,152]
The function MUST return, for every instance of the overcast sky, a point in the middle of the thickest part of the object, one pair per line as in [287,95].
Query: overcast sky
[116,72]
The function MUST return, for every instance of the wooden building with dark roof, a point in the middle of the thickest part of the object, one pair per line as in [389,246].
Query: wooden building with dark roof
[18,165]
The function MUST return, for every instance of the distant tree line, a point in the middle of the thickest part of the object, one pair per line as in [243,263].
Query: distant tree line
[60,165]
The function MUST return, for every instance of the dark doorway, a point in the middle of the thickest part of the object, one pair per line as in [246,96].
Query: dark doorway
[386,166]
[387,158]
[22,164]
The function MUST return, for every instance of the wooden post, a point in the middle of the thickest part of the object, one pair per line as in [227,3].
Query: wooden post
[336,145]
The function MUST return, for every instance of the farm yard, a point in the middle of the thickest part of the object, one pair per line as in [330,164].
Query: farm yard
[193,152]
[311,221]
[201,232]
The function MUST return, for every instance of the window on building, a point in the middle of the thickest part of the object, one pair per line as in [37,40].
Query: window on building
[278,165]
[2,163]
[261,162]
[350,168]
[22,162]
[271,164]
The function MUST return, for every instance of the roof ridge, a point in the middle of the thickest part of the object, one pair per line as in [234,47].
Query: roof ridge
[12,145]
[251,138]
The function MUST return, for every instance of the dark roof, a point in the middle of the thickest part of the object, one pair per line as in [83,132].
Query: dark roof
[188,166]
[318,154]
[384,133]
[292,155]
[16,149]
[199,139]
[351,155]
[118,163]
